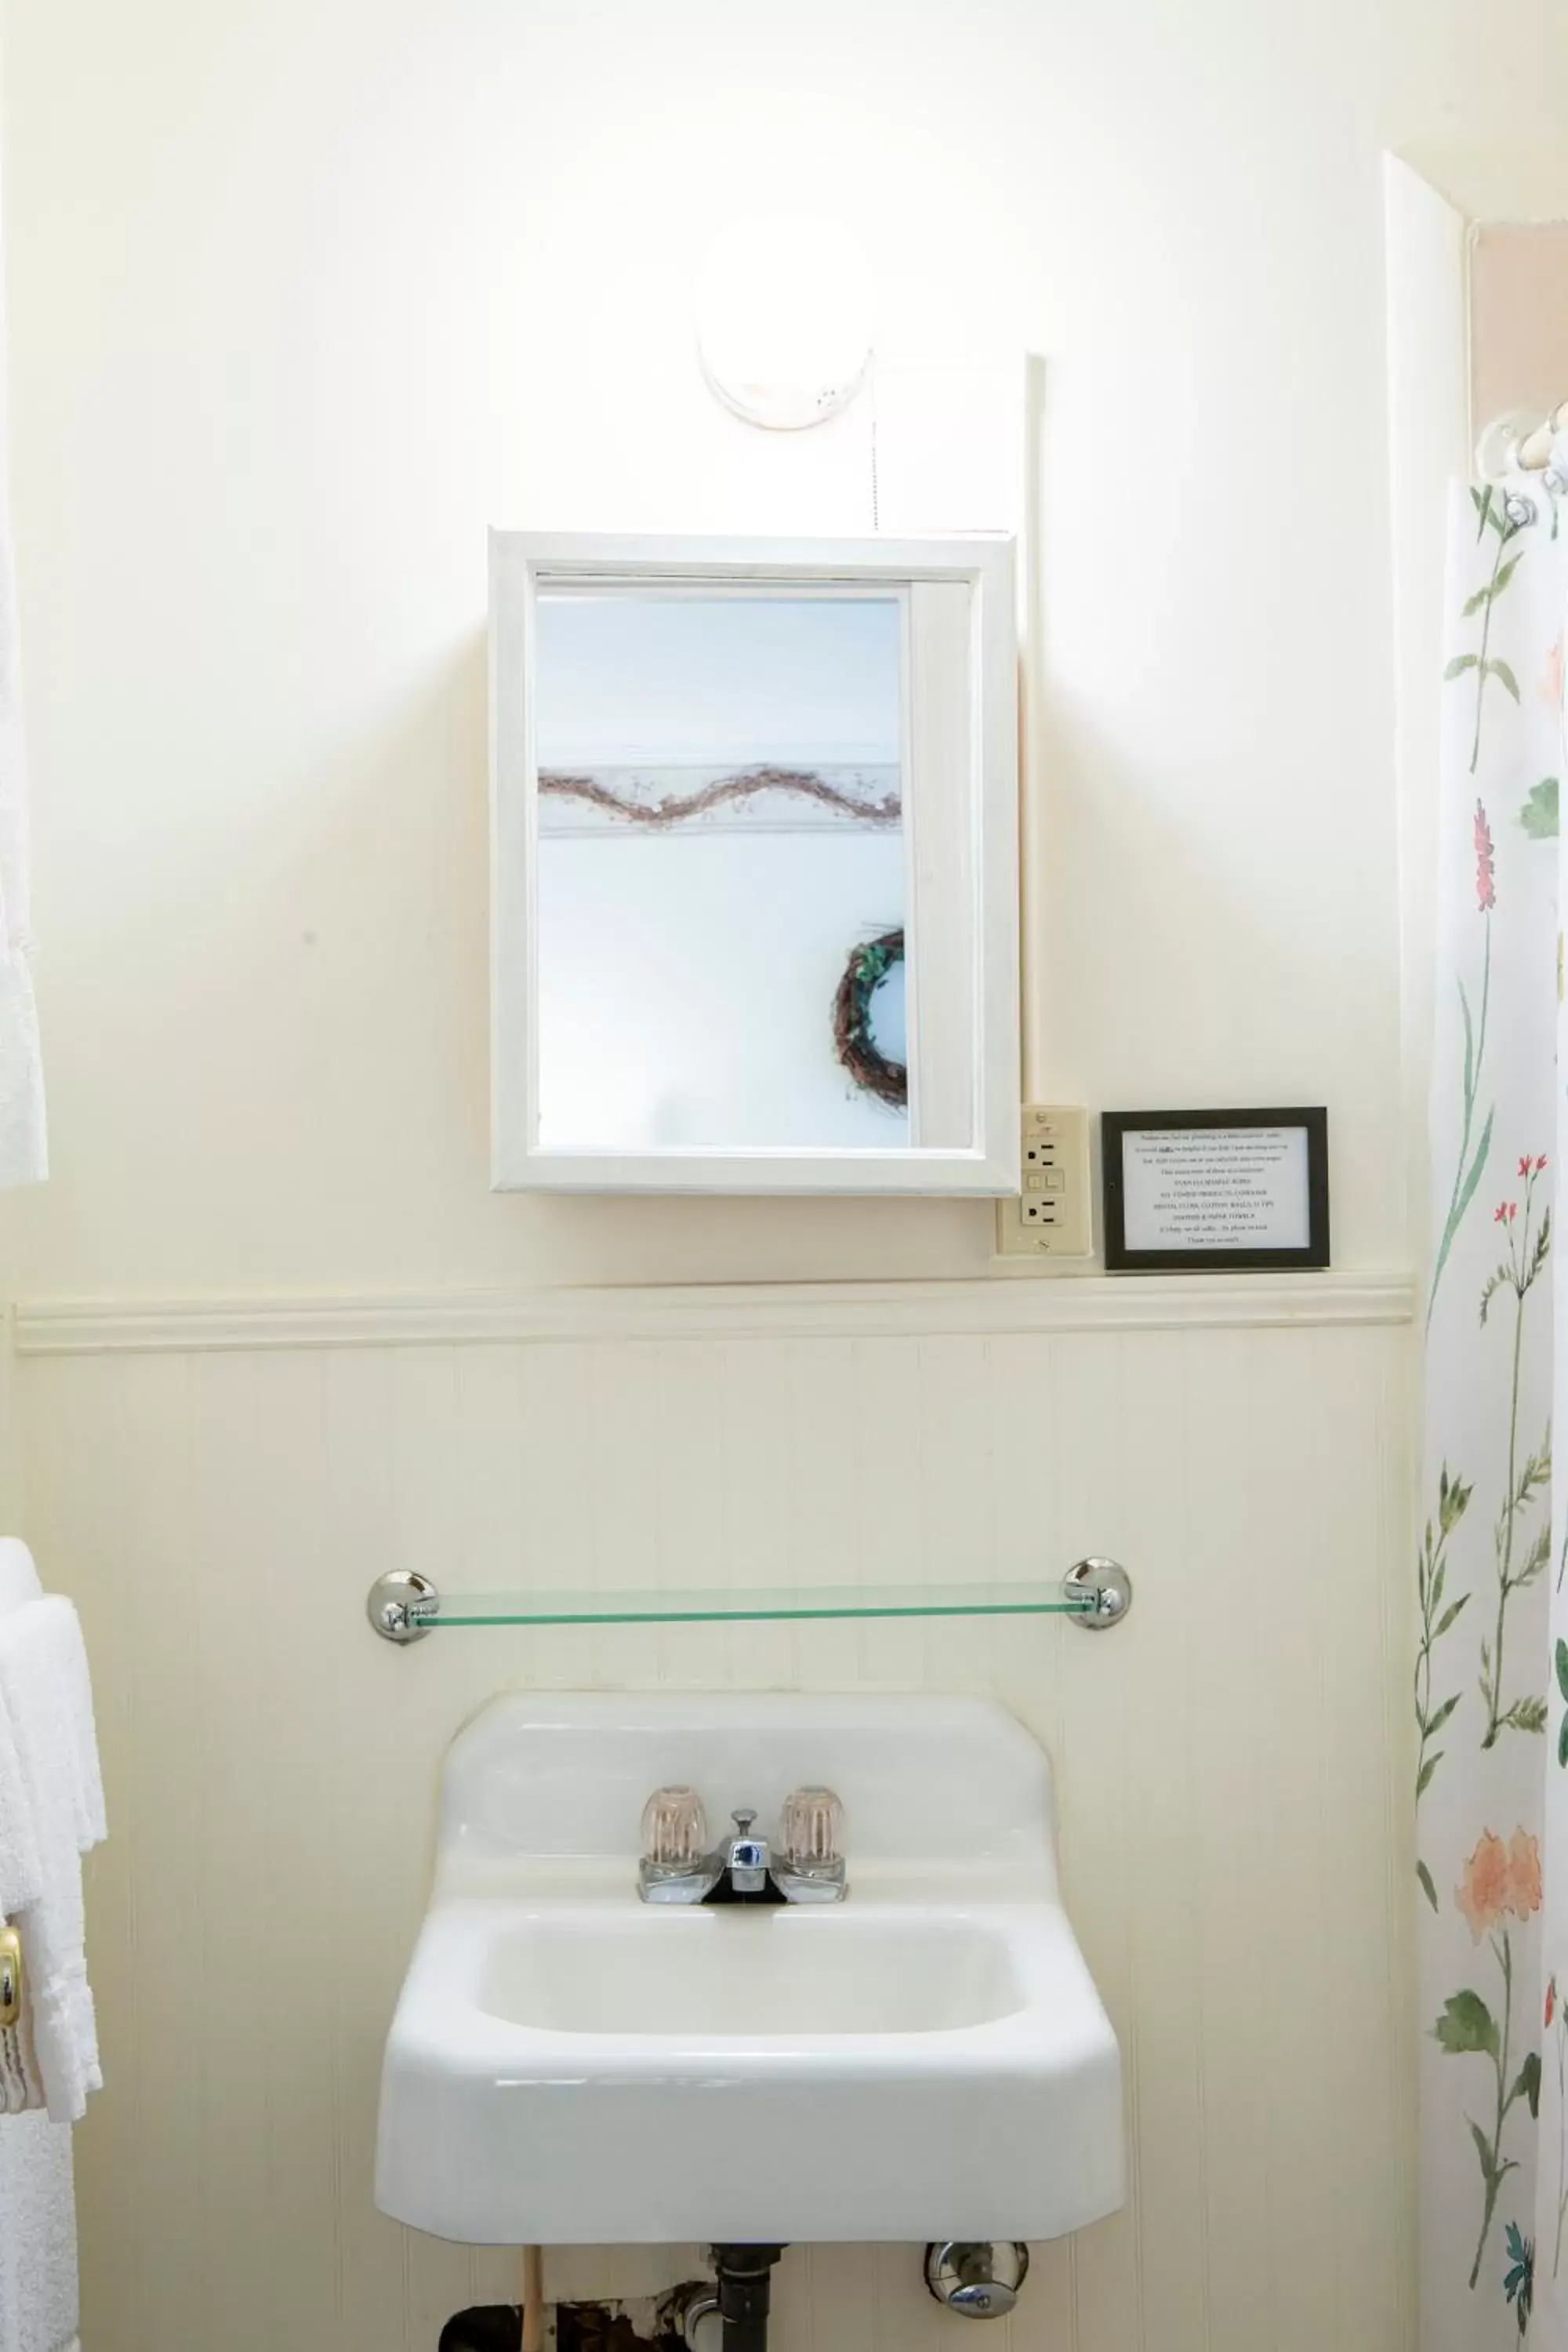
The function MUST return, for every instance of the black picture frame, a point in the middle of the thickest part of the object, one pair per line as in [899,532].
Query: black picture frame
[1118,1259]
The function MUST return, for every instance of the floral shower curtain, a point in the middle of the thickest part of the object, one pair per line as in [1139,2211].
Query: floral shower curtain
[1492,1677]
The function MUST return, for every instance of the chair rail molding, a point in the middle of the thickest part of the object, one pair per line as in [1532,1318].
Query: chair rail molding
[981,1307]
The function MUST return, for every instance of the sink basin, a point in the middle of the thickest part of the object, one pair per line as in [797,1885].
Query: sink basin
[757,1973]
[569,2066]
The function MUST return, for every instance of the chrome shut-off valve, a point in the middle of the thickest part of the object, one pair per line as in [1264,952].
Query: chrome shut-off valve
[975,2278]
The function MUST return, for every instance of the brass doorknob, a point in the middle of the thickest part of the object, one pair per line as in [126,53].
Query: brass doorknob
[10,1977]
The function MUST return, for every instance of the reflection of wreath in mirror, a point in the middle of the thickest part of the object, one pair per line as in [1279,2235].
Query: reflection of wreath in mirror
[867,968]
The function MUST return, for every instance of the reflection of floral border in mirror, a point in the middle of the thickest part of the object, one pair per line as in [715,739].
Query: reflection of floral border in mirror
[854,1029]
[747,784]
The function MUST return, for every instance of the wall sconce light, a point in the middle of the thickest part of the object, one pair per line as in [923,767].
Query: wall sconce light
[783,318]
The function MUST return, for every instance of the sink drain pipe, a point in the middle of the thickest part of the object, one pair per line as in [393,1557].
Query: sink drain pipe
[745,2279]
[532,2307]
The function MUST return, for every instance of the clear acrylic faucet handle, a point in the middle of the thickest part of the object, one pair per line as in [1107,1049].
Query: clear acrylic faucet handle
[674,1828]
[811,1829]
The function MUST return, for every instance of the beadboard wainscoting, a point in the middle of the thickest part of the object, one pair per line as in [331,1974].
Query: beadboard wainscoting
[1233,1764]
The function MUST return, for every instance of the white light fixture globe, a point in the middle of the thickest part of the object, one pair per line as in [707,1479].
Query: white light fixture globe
[783,318]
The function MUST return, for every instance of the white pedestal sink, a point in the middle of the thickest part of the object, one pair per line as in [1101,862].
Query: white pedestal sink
[928,2059]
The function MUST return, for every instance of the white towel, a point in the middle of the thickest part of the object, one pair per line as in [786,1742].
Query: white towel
[37,2237]
[18,1577]
[46,1696]
[21,1871]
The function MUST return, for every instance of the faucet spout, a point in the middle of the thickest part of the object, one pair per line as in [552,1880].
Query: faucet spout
[747,1860]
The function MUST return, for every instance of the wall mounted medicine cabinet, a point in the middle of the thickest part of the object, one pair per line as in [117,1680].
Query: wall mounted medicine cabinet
[754,845]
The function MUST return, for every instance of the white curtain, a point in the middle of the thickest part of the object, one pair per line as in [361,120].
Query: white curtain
[1491,1677]
[24,1153]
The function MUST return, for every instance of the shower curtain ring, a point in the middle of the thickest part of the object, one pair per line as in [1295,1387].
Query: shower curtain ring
[1519,508]
[1555,480]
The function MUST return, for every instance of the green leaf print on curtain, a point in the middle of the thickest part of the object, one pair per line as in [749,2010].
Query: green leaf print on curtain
[1493,517]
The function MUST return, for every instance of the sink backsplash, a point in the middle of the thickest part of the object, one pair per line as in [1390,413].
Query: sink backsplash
[917,1775]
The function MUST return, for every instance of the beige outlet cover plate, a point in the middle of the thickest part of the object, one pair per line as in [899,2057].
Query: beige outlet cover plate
[1050,1216]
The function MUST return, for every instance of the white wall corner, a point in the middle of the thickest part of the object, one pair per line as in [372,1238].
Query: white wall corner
[1427,244]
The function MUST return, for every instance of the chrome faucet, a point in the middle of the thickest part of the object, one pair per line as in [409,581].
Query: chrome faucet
[678,1865]
[748,1864]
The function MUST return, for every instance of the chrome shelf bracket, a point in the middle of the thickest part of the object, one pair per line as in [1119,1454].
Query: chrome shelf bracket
[403,1605]
[1110,1587]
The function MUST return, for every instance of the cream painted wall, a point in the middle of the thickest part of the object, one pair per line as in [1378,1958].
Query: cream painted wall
[1232,1767]
[304,296]
[1519,317]
[301,298]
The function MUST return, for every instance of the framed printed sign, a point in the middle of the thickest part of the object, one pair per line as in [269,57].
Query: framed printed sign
[1210,1192]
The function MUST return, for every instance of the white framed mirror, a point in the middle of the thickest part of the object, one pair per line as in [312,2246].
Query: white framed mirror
[754,864]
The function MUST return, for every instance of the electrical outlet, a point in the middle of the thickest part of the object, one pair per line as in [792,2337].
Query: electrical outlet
[1050,1216]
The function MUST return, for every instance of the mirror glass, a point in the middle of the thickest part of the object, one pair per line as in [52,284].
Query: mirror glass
[721,887]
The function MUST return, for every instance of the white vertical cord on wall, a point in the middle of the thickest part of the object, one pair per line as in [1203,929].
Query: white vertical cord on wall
[876,494]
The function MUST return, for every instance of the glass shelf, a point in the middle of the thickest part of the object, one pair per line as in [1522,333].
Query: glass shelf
[405,1606]
[650,1608]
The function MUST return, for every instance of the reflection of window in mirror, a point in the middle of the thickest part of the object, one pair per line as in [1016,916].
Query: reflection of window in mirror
[754,917]
[721,831]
